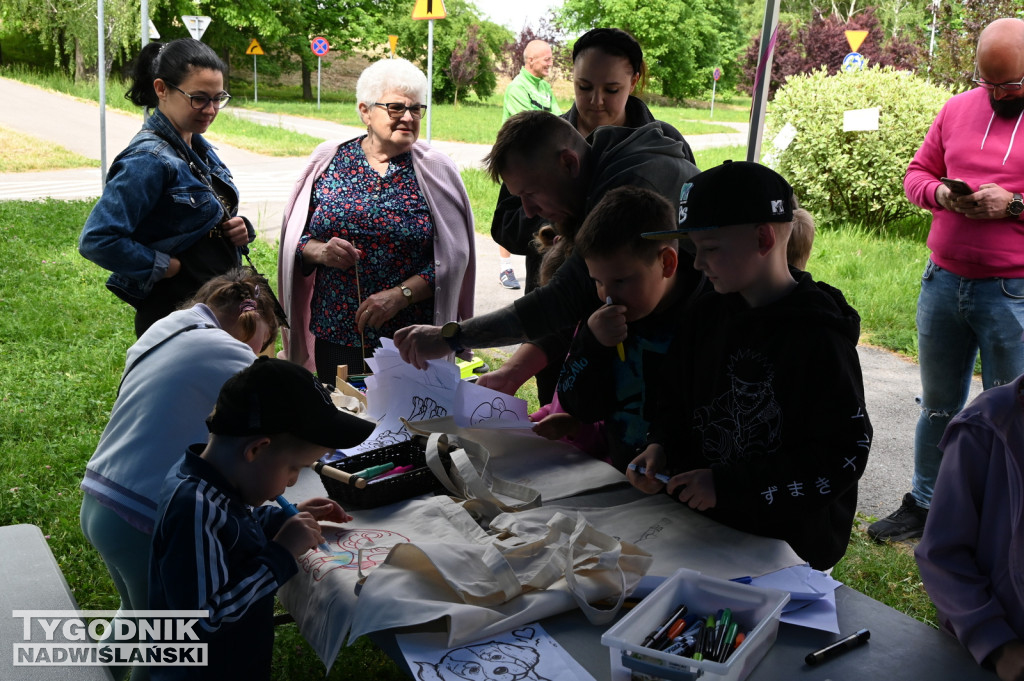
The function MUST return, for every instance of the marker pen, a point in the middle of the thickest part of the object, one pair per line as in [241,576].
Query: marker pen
[618,346]
[291,510]
[641,470]
[654,639]
[374,471]
[852,641]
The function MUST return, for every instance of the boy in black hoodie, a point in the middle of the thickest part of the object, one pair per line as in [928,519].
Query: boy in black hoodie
[763,426]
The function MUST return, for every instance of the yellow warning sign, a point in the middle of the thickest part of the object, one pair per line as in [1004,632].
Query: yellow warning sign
[393,39]
[855,38]
[429,9]
[254,48]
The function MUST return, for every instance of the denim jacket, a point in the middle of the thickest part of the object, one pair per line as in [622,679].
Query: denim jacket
[153,206]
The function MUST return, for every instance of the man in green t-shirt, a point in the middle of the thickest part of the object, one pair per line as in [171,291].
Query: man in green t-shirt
[527,91]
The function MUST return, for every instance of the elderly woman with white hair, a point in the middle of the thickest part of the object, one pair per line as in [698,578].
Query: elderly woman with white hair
[377,234]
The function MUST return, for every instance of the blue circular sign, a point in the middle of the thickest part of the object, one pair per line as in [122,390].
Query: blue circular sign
[854,61]
[320,46]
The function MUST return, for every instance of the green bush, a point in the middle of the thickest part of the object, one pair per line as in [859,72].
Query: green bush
[852,176]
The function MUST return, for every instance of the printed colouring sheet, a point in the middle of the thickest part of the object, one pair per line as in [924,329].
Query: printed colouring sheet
[526,653]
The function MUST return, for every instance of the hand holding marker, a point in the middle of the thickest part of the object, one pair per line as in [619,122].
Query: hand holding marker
[618,346]
[291,510]
[640,470]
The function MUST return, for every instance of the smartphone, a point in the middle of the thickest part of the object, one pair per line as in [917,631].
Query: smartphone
[958,187]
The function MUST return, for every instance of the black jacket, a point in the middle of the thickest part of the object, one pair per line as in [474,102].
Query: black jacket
[771,399]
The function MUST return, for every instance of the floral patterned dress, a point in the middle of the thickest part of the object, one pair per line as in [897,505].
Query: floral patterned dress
[388,219]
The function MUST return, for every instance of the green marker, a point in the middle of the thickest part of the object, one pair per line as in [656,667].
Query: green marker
[374,471]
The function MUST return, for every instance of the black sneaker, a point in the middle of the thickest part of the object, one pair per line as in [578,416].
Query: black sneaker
[906,522]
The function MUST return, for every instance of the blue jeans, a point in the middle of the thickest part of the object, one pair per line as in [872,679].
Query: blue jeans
[956,318]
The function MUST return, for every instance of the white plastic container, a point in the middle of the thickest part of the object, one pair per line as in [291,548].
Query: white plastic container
[755,609]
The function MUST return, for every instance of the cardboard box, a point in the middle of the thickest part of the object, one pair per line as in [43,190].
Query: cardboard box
[755,609]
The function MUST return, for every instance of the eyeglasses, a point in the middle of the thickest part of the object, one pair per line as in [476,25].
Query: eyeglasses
[396,109]
[1009,86]
[202,101]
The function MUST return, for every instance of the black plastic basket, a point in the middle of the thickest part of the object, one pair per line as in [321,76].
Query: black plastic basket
[420,480]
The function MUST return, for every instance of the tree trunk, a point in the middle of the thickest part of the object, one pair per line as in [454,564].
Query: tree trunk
[79,63]
[307,87]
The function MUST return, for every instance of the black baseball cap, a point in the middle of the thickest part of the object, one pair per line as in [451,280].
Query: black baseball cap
[277,396]
[734,193]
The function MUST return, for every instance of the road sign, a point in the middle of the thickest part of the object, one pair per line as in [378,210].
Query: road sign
[393,40]
[717,74]
[153,33]
[429,9]
[254,48]
[855,38]
[320,46]
[196,25]
[854,61]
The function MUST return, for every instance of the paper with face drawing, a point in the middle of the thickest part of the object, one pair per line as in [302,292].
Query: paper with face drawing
[480,407]
[397,390]
[527,653]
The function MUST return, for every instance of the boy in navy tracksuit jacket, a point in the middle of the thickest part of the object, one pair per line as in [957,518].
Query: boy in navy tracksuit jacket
[215,547]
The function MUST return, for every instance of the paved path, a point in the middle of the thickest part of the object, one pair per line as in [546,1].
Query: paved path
[891,382]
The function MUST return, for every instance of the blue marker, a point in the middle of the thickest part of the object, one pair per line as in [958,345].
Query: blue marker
[291,510]
[643,471]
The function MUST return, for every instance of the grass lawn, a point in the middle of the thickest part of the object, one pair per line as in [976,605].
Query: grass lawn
[20,153]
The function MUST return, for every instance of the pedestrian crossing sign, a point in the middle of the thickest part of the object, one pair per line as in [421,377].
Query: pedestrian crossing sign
[429,9]
[254,48]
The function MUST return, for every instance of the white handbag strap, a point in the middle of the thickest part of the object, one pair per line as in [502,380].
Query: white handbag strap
[470,461]
[582,534]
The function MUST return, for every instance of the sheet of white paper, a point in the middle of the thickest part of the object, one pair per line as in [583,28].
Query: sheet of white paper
[801,581]
[820,614]
[480,407]
[861,119]
[784,138]
[524,653]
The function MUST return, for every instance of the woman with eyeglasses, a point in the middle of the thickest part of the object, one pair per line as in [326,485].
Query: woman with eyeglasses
[166,223]
[377,234]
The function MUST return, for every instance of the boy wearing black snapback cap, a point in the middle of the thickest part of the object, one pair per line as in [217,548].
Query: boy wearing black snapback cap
[772,434]
[215,547]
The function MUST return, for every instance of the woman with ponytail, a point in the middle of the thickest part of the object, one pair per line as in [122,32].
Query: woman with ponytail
[170,383]
[167,222]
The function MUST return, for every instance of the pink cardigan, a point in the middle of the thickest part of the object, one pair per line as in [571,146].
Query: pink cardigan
[967,141]
[454,245]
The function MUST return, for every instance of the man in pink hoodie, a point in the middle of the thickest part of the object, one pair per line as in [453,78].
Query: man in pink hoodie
[972,290]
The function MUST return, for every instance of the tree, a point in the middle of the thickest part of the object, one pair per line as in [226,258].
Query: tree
[958,27]
[465,61]
[683,40]
[822,44]
[412,45]
[67,28]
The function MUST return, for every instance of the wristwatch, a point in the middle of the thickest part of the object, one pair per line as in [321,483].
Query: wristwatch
[451,331]
[407,292]
[1016,206]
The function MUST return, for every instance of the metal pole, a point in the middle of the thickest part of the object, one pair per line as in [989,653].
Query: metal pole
[318,83]
[430,71]
[931,43]
[714,87]
[102,69]
[255,82]
[762,79]
[145,22]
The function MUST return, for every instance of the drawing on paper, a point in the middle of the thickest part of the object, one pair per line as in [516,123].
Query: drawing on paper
[495,410]
[345,546]
[385,438]
[491,661]
[426,408]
